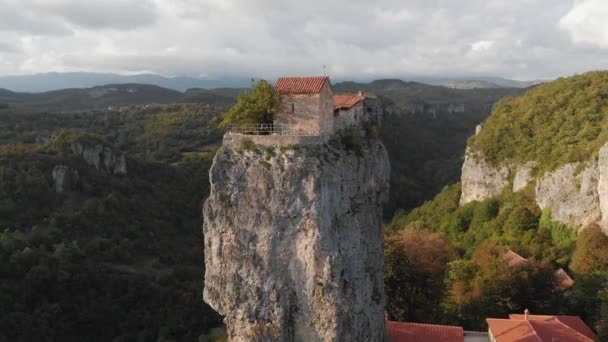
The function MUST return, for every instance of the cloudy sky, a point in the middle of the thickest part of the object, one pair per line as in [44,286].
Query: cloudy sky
[521,39]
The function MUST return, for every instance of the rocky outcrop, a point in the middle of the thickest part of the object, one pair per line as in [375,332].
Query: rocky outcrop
[571,194]
[523,176]
[64,178]
[480,180]
[101,157]
[602,187]
[294,242]
[576,193]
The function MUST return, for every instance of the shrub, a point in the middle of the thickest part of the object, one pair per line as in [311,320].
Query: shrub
[591,254]
[254,106]
[247,144]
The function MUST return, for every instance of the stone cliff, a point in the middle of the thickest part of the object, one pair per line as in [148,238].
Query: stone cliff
[101,157]
[480,180]
[293,241]
[576,193]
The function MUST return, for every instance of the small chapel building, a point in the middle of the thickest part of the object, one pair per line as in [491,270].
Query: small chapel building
[309,106]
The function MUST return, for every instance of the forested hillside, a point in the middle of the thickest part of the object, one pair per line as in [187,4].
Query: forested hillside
[113,252]
[554,124]
[112,257]
[465,272]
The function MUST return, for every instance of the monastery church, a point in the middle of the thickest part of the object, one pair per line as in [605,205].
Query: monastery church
[310,106]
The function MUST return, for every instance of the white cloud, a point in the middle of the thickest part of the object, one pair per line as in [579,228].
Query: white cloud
[587,22]
[482,45]
[354,38]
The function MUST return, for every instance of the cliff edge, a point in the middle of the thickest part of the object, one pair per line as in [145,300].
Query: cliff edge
[554,139]
[293,241]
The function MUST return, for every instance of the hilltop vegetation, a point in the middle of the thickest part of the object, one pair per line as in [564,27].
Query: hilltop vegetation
[161,133]
[553,124]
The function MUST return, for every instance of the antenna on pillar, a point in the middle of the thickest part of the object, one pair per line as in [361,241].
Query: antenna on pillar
[324,70]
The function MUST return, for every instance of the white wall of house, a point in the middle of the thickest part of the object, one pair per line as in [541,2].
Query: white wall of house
[476,336]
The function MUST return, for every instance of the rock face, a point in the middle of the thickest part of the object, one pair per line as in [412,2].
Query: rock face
[523,176]
[101,157]
[570,194]
[65,178]
[480,180]
[294,242]
[576,193]
[602,187]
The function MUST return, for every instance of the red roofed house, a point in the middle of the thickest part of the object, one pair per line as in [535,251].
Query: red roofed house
[561,279]
[348,109]
[308,104]
[417,332]
[537,328]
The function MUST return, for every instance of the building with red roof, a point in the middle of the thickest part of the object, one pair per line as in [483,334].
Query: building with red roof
[561,279]
[309,105]
[513,259]
[417,332]
[539,328]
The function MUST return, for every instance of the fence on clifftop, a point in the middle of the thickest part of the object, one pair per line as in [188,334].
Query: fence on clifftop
[275,134]
[277,129]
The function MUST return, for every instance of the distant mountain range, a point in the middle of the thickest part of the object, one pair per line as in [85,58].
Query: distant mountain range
[55,81]
[112,95]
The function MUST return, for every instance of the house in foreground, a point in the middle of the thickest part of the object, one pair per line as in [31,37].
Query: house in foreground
[516,328]
[418,332]
[539,328]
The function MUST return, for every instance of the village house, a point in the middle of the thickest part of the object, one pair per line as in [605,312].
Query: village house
[310,106]
[561,279]
[539,328]
[419,332]
[348,109]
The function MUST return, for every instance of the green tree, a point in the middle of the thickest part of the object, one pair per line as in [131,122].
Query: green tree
[415,262]
[254,106]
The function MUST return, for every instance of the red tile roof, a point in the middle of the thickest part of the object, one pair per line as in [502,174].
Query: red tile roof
[513,259]
[562,280]
[573,322]
[540,329]
[347,101]
[506,330]
[416,332]
[300,85]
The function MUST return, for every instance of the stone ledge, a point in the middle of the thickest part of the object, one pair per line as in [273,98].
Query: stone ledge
[233,139]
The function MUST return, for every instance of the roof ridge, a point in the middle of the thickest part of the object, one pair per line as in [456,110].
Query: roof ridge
[428,324]
[301,84]
[571,328]
[533,330]
[303,77]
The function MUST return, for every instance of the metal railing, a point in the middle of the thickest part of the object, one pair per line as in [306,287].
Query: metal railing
[275,129]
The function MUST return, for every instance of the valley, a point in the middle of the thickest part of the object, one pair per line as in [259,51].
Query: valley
[112,242]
